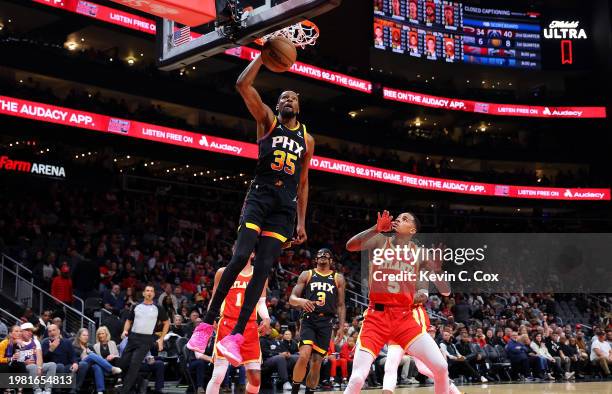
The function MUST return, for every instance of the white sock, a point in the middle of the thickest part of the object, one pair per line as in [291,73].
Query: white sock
[426,350]
[218,375]
[361,368]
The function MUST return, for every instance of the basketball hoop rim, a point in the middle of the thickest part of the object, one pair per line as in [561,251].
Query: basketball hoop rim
[285,32]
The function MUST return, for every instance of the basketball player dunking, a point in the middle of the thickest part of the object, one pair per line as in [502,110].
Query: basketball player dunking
[319,293]
[279,189]
[391,315]
[250,349]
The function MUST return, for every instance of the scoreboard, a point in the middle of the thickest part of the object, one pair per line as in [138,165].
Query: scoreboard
[453,32]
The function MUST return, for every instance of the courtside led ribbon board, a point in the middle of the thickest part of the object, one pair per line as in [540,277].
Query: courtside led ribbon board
[107,124]
[132,21]
[104,14]
[426,100]
[310,71]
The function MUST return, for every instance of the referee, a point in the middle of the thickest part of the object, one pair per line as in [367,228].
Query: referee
[140,326]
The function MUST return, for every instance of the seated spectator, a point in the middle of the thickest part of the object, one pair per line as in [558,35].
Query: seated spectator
[45,319]
[601,352]
[169,307]
[88,356]
[194,320]
[547,361]
[9,352]
[355,326]
[105,347]
[130,299]
[562,362]
[577,357]
[180,297]
[458,363]
[276,360]
[200,306]
[168,293]
[490,338]
[201,364]
[61,286]
[30,354]
[288,344]
[157,367]
[60,324]
[177,326]
[112,322]
[113,298]
[60,351]
[480,338]
[521,356]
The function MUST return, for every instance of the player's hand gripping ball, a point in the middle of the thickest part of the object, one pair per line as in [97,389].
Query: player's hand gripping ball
[278,54]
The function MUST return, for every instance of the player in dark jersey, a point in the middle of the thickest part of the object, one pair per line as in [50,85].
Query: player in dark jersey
[320,294]
[278,191]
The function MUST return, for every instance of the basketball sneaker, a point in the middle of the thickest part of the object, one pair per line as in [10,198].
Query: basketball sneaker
[199,338]
[229,347]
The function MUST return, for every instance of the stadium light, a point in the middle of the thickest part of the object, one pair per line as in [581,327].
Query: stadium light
[71,45]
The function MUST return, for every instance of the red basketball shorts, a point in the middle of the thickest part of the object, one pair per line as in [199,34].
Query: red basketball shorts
[392,324]
[250,350]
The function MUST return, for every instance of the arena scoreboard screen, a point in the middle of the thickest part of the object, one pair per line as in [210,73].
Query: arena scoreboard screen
[454,32]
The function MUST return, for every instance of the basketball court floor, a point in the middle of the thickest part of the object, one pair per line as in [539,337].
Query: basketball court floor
[604,387]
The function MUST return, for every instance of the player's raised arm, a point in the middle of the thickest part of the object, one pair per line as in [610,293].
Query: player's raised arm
[260,111]
[302,192]
[371,238]
[296,299]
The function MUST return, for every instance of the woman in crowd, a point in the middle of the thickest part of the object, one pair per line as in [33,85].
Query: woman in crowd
[130,297]
[86,352]
[169,307]
[105,347]
[9,352]
[547,362]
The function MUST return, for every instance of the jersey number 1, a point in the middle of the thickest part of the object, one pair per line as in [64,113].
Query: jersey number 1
[284,161]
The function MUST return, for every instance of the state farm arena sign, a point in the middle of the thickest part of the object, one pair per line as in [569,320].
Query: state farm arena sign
[23,166]
[146,131]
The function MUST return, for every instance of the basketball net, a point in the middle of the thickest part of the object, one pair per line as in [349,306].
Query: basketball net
[301,34]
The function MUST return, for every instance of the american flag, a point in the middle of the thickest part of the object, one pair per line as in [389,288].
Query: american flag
[181,36]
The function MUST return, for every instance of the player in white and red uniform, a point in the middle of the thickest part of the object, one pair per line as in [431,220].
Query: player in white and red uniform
[391,316]
[250,350]
[395,352]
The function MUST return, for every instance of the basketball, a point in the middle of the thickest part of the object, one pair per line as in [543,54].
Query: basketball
[278,54]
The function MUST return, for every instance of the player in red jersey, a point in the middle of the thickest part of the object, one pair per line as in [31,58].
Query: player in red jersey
[391,315]
[250,350]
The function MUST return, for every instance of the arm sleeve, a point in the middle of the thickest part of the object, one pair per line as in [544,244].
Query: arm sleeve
[262,309]
[132,314]
[162,314]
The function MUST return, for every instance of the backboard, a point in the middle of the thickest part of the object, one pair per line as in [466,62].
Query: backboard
[176,50]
